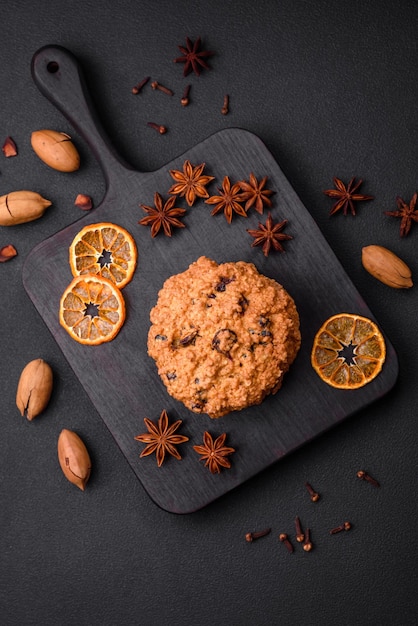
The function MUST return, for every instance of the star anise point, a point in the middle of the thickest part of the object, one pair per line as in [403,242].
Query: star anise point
[161,438]
[254,193]
[163,215]
[269,235]
[407,212]
[346,196]
[228,200]
[190,183]
[193,58]
[214,452]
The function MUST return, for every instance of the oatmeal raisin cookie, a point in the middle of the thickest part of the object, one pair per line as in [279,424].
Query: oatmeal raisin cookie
[223,336]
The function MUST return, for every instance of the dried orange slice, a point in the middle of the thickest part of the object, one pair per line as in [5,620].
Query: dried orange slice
[348,351]
[105,249]
[92,309]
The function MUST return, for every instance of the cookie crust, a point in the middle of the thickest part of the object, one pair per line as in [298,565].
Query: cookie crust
[223,336]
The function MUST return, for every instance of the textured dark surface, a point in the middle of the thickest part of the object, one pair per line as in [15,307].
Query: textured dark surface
[331,90]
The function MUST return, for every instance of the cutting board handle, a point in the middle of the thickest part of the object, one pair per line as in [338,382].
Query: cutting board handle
[58,75]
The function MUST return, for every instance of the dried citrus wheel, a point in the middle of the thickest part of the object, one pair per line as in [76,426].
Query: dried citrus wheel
[105,249]
[348,351]
[92,309]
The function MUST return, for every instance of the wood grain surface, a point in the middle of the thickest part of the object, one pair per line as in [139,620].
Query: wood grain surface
[121,379]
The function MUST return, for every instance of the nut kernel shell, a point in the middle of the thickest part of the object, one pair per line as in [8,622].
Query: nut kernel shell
[56,150]
[18,207]
[34,388]
[386,266]
[74,458]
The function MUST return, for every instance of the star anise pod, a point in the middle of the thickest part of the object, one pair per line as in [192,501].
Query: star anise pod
[161,439]
[407,212]
[346,195]
[190,182]
[193,58]
[254,193]
[228,200]
[269,235]
[162,215]
[214,452]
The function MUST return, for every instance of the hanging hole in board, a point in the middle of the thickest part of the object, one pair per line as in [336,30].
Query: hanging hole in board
[52,67]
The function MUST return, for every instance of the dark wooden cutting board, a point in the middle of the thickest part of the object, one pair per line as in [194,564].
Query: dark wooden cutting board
[121,379]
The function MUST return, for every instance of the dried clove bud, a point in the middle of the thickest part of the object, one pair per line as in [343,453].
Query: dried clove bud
[9,147]
[137,88]
[300,535]
[83,202]
[338,529]
[365,476]
[34,388]
[159,127]
[307,546]
[18,207]
[156,85]
[7,253]
[284,538]
[250,537]
[56,150]
[74,458]
[186,96]
[225,107]
[313,494]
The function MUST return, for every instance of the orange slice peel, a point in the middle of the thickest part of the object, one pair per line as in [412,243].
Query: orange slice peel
[105,249]
[348,351]
[92,309]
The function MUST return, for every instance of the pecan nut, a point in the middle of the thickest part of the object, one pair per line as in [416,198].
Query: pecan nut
[18,207]
[384,265]
[74,458]
[34,388]
[56,150]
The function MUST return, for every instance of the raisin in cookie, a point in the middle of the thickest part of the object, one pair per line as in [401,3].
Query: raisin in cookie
[223,336]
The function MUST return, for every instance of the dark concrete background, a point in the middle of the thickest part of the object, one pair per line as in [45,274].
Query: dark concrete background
[331,88]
